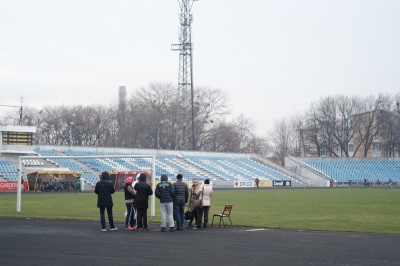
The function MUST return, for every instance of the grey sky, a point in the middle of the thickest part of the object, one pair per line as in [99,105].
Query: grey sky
[273,57]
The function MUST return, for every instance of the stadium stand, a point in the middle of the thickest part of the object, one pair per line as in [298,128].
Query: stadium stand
[227,169]
[356,169]
[8,170]
[89,175]
[237,169]
[165,164]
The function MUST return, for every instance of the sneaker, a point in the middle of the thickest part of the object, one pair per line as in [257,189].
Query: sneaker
[103,230]
[171,229]
[163,229]
[145,229]
[134,227]
[129,228]
[114,229]
[194,228]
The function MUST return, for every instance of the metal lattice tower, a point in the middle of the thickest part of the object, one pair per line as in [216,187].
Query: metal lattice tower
[185,77]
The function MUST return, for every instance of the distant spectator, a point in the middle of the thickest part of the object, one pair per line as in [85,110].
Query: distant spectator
[120,185]
[39,184]
[45,185]
[51,186]
[257,182]
[78,184]
[71,186]
[22,184]
[350,183]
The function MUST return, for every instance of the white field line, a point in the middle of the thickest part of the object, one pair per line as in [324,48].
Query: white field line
[253,230]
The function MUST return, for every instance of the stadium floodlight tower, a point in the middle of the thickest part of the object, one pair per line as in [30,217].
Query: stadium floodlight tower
[185,77]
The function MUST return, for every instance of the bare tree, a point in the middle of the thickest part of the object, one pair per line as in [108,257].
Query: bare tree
[368,122]
[258,145]
[245,127]
[151,104]
[280,139]
[309,133]
[223,137]
[210,107]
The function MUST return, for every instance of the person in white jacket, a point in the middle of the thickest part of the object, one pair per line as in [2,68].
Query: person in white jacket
[207,192]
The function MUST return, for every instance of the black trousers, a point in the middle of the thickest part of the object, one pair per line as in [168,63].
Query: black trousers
[142,218]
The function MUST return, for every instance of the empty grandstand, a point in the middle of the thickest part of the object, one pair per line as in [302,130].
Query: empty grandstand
[342,171]
[224,169]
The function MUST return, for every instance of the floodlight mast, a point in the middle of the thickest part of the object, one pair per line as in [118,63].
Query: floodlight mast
[185,76]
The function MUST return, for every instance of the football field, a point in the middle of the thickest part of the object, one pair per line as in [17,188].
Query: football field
[375,210]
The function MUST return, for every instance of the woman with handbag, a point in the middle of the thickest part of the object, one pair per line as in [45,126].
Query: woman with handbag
[206,192]
[195,203]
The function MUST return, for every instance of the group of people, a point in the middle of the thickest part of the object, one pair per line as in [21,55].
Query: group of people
[57,185]
[173,199]
[366,182]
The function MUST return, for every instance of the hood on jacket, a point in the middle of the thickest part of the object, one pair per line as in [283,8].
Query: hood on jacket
[142,177]
[164,177]
[105,176]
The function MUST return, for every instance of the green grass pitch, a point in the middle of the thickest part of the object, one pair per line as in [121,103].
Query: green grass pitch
[374,210]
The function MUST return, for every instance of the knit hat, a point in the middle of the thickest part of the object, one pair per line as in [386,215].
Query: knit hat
[129,180]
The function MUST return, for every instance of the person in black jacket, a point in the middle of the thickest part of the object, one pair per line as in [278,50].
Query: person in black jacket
[165,191]
[181,198]
[143,191]
[104,188]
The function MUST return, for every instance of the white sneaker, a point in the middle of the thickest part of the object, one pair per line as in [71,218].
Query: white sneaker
[103,230]
[114,229]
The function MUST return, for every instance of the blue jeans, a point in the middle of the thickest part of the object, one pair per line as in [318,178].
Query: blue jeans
[179,211]
[130,215]
[167,213]
[103,218]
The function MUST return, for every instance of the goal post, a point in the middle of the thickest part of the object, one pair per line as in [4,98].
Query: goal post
[153,171]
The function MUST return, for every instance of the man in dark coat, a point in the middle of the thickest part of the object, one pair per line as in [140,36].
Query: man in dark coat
[143,191]
[104,188]
[181,198]
[165,191]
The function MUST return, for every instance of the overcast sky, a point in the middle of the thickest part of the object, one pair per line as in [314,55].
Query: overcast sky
[272,57]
